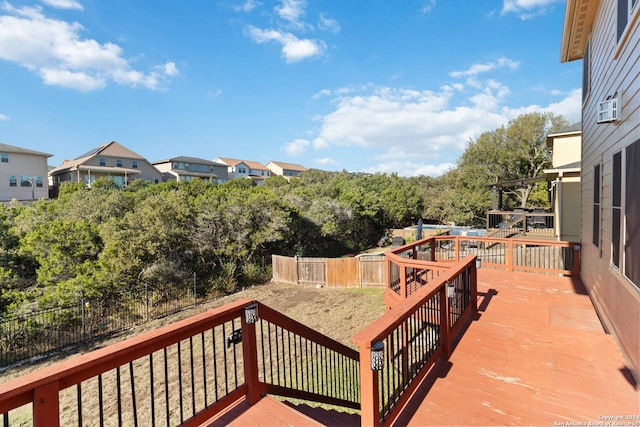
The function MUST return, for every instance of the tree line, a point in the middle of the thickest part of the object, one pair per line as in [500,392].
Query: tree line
[102,240]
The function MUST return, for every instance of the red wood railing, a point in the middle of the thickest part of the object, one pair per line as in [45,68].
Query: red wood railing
[408,339]
[187,372]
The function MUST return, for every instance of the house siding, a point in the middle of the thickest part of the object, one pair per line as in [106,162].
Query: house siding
[22,164]
[614,68]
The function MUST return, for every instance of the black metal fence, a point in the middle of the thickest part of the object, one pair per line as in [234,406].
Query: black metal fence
[40,333]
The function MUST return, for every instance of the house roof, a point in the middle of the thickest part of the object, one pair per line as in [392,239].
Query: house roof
[187,159]
[289,166]
[517,182]
[574,129]
[110,149]
[571,167]
[6,148]
[250,164]
[178,172]
[578,20]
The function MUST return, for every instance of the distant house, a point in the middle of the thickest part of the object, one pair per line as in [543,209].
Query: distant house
[110,160]
[286,170]
[245,169]
[23,174]
[564,179]
[186,168]
[605,35]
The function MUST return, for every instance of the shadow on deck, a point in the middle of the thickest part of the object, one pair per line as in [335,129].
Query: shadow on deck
[536,354]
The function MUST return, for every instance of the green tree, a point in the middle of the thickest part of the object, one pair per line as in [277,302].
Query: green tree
[513,152]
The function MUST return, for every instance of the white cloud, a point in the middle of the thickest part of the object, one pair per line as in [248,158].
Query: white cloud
[292,11]
[409,168]
[428,6]
[293,48]
[480,68]
[570,107]
[246,6]
[296,147]
[328,24]
[325,161]
[170,69]
[528,9]
[3,117]
[421,132]
[55,50]
[63,4]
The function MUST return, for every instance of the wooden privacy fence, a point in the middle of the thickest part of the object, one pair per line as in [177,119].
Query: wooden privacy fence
[366,271]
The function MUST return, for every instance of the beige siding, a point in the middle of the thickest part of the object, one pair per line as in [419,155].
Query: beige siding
[566,150]
[23,165]
[613,69]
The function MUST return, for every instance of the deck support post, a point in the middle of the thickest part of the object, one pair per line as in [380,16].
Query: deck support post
[46,405]
[250,355]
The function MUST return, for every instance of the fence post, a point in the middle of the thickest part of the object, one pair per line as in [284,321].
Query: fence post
[146,300]
[84,322]
[195,295]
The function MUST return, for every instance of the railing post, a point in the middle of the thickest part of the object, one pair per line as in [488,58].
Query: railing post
[46,405]
[474,287]
[576,261]
[403,281]
[444,322]
[509,255]
[457,252]
[250,357]
[369,390]
[433,249]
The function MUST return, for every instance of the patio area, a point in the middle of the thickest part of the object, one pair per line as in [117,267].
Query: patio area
[535,355]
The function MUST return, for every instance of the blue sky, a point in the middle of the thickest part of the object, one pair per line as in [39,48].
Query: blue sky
[395,86]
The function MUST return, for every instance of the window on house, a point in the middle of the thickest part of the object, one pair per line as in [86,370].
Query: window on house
[103,162]
[25,181]
[4,157]
[626,9]
[13,181]
[623,16]
[134,164]
[596,205]
[119,163]
[38,181]
[586,72]
[616,209]
[632,214]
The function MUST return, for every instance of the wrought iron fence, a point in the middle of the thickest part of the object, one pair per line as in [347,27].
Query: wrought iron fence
[42,332]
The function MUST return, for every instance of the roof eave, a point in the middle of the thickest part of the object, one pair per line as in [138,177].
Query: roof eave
[578,21]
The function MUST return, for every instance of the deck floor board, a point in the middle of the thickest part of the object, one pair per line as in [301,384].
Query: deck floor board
[536,355]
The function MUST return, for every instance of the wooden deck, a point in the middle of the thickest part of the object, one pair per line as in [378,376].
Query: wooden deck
[536,355]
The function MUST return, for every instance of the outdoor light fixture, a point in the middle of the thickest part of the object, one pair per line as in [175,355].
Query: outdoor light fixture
[450,289]
[377,356]
[478,262]
[251,313]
